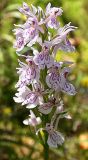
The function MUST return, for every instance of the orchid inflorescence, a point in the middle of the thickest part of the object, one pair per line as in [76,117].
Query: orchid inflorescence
[41,77]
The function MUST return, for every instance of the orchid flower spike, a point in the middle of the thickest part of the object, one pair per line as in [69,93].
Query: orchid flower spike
[41,77]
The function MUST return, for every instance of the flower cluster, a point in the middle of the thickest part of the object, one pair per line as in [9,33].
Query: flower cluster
[41,77]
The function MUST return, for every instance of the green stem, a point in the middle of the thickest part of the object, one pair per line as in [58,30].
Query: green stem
[41,139]
[45,117]
[46,148]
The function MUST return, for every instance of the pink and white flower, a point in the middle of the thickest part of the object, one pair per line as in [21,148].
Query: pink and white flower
[58,81]
[33,120]
[28,97]
[55,138]
[53,79]
[60,41]
[28,73]
[66,46]
[19,43]
[51,14]
[28,34]
[46,108]
[25,9]
[31,34]
[43,58]
[66,87]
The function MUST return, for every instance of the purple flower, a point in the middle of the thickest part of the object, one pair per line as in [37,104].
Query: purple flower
[58,81]
[26,96]
[33,120]
[55,138]
[67,47]
[54,10]
[31,34]
[27,10]
[28,34]
[60,41]
[52,22]
[43,59]
[64,46]
[63,31]
[52,14]
[46,108]
[66,87]
[53,80]
[27,73]
[19,43]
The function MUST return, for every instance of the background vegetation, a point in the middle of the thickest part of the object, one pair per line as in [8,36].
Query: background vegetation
[16,140]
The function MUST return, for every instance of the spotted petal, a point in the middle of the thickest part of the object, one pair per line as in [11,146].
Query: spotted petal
[55,139]
[19,44]
[42,60]
[26,96]
[68,88]
[53,81]
[31,98]
[45,108]
[66,48]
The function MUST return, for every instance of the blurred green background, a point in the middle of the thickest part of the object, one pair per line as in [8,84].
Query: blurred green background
[16,140]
